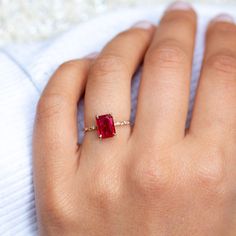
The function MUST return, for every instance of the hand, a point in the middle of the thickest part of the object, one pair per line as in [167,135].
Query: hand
[153,179]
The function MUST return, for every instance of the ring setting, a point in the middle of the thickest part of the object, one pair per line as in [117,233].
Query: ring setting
[106,126]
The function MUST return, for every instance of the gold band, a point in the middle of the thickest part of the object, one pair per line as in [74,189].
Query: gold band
[118,123]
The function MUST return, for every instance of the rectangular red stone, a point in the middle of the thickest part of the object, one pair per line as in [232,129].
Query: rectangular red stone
[105,126]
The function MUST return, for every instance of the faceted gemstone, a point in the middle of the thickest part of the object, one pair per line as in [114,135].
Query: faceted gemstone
[105,126]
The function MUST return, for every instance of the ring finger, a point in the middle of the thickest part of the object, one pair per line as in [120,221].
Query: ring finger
[109,81]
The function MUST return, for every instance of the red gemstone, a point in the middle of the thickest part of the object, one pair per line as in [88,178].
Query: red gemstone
[105,126]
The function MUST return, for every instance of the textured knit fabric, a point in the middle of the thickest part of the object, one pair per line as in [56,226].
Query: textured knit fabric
[24,72]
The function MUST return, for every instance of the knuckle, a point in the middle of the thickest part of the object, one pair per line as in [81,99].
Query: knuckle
[223,63]
[58,210]
[167,55]
[54,210]
[211,172]
[50,105]
[106,190]
[109,64]
[150,179]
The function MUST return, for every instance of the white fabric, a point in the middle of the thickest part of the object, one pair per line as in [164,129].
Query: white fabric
[24,71]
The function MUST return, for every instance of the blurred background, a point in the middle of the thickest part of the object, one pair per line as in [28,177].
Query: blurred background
[30,20]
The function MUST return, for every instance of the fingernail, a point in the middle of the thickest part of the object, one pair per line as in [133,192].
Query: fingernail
[143,25]
[183,6]
[92,55]
[223,18]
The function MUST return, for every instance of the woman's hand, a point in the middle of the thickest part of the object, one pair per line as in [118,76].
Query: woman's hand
[155,178]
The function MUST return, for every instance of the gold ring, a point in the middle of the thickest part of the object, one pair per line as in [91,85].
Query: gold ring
[106,127]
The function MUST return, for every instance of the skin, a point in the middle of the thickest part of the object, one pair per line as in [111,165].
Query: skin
[155,178]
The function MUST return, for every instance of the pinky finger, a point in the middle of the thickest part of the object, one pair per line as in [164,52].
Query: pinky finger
[55,149]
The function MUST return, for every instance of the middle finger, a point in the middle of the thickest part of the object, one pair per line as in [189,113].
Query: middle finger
[164,89]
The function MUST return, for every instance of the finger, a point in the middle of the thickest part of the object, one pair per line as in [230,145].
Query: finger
[55,134]
[164,89]
[215,107]
[109,82]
